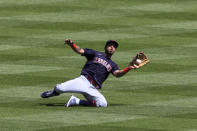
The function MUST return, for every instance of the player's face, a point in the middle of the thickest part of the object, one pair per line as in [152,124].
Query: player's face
[110,49]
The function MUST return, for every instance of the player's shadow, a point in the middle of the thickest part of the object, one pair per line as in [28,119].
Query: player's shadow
[52,104]
[63,104]
[117,105]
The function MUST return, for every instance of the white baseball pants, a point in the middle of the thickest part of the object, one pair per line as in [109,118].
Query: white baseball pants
[83,86]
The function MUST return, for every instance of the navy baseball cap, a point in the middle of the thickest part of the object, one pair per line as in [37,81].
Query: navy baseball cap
[112,42]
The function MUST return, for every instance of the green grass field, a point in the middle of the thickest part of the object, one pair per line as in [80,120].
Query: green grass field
[161,96]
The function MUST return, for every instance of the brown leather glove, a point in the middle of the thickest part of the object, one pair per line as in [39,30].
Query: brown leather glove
[139,60]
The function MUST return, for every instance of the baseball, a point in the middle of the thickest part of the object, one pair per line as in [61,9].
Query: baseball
[138,61]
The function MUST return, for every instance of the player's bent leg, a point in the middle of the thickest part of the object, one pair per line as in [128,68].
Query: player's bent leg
[76,85]
[98,100]
[94,103]
[61,88]
[91,101]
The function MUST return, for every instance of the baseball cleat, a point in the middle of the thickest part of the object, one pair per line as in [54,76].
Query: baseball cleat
[71,101]
[47,94]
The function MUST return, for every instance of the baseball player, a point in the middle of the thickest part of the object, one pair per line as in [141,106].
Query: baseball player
[95,71]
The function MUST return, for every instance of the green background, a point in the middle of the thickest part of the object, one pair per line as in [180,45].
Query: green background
[161,96]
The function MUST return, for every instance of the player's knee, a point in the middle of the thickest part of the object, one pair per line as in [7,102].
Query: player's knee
[102,103]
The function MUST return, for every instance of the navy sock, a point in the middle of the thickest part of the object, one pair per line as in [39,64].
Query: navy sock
[85,103]
[56,93]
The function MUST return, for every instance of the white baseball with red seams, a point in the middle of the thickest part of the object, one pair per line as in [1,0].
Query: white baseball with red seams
[138,61]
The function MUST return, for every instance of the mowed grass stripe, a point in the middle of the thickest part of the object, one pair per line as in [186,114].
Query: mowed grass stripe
[162,78]
[63,118]
[118,33]
[172,6]
[18,69]
[103,34]
[186,102]
[29,92]
[167,124]
[183,25]
[30,125]
[11,47]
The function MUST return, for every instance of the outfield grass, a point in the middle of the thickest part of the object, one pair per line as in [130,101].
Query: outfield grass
[161,96]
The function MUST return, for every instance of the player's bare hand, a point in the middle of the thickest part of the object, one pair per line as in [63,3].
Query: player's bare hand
[69,42]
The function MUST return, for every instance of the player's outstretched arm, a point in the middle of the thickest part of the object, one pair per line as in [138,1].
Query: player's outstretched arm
[138,61]
[74,46]
[119,73]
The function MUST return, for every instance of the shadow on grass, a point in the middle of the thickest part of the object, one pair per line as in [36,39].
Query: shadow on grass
[63,104]
[117,105]
[52,104]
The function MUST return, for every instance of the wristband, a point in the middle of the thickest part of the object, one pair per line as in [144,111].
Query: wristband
[73,46]
[126,69]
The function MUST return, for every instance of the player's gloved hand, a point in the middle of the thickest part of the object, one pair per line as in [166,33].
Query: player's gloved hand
[69,42]
[139,60]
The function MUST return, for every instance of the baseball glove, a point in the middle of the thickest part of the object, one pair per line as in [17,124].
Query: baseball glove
[139,60]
